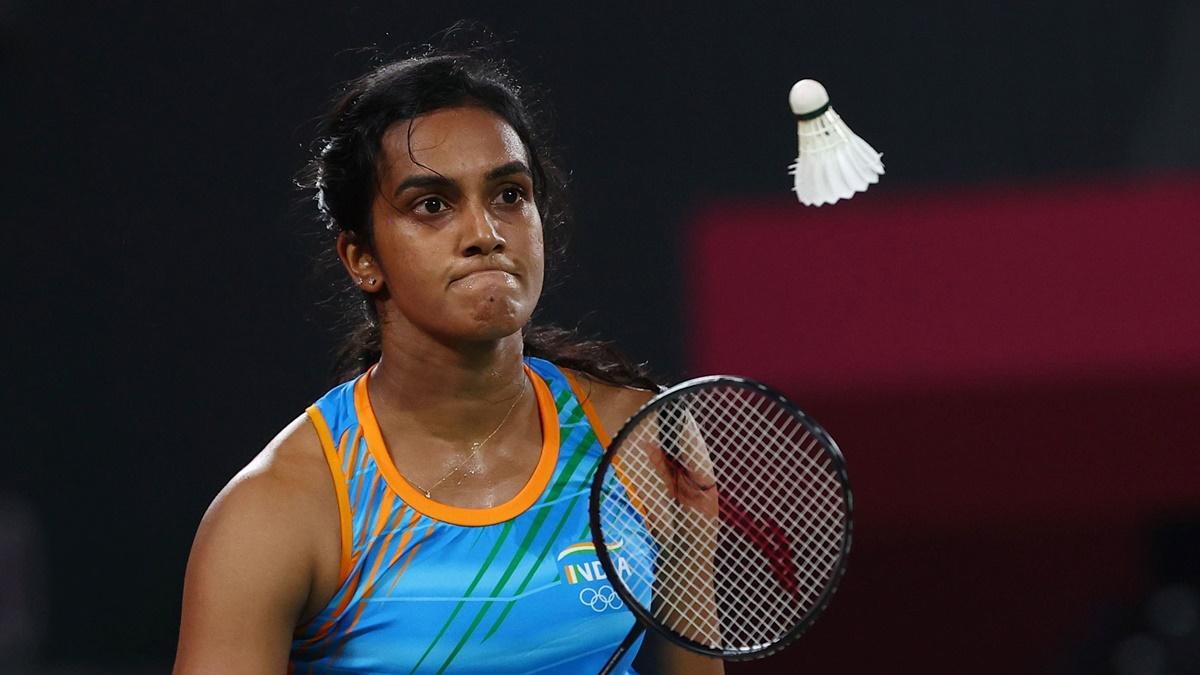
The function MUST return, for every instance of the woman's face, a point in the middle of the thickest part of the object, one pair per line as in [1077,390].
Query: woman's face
[457,236]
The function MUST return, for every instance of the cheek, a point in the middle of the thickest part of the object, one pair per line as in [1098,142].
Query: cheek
[412,278]
[536,255]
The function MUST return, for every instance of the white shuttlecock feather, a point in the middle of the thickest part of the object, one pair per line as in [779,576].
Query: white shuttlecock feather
[833,162]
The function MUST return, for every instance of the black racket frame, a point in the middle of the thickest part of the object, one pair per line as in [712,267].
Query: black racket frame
[643,617]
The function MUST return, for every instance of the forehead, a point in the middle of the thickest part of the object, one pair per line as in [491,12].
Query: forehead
[455,142]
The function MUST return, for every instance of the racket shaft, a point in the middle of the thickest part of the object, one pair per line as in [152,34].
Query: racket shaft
[634,634]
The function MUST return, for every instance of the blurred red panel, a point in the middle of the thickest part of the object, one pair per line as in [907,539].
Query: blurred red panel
[1038,349]
[949,288]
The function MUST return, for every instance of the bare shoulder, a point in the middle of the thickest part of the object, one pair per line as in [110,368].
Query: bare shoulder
[614,404]
[255,556]
[293,460]
[282,479]
[279,510]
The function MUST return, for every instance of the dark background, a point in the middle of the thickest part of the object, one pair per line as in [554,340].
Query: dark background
[168,311]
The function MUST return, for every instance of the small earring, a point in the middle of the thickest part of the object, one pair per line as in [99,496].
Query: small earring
[360,280]
[371,282]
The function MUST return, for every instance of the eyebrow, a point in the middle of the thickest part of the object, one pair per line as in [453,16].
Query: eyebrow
[509,169]
[437,181]
[423,181]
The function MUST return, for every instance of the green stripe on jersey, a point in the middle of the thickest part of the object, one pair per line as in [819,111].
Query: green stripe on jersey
[482,569]
[539,520]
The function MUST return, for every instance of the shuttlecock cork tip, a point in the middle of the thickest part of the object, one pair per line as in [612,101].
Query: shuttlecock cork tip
[807,97]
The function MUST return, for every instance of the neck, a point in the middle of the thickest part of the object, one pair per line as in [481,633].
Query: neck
[451,391]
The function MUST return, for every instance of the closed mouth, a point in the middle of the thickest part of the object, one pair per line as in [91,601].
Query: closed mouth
[492,270]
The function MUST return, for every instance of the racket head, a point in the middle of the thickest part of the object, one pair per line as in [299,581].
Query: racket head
[617,513]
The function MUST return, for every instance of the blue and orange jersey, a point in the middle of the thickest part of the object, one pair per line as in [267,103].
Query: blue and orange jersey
[431,588]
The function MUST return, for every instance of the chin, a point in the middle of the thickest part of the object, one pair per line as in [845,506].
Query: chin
[496,318]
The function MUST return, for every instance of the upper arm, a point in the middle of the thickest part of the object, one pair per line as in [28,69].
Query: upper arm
[249,574]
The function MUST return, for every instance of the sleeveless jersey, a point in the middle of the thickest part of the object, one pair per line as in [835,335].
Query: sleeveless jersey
[431,588]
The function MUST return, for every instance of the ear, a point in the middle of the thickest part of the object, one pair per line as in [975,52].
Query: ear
[364,271]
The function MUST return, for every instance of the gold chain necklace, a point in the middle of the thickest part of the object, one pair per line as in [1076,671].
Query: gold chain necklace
[475,448]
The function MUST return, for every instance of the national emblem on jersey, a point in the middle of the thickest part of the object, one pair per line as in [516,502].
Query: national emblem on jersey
[588,568]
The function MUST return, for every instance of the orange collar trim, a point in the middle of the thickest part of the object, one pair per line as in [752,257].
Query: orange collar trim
[457,515]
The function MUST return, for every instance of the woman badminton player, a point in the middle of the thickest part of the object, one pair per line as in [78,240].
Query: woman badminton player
[430,514]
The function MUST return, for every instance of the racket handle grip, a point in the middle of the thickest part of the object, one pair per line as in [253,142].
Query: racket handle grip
[634,634]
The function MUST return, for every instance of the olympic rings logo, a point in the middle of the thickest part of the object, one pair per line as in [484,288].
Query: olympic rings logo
[601,599]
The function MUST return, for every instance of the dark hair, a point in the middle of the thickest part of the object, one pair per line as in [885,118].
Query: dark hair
[344,173]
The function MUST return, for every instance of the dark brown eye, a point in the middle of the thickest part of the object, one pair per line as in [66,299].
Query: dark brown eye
[430,205]
[510,195]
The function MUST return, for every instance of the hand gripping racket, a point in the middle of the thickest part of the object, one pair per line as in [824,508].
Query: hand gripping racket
[721,514]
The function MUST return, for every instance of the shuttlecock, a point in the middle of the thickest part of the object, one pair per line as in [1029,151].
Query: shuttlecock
[833,163]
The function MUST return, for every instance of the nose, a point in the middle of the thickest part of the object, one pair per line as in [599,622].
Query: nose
[481,235]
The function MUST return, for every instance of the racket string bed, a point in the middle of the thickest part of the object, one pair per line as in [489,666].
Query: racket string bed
[741,516]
